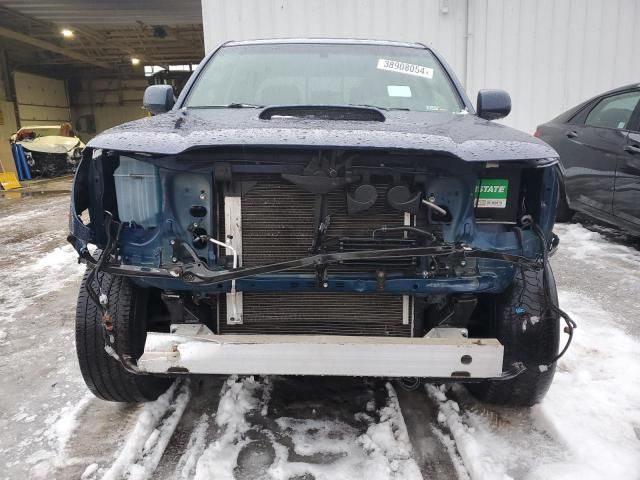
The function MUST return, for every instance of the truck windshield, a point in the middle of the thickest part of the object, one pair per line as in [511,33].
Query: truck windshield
[388,77]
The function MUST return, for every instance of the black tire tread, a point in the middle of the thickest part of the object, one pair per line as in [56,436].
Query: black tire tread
[538,345]
[105,376]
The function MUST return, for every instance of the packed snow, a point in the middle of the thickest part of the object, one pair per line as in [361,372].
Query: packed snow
[145,445]
[587,427]
[53,439]
[383,451]
[593,406]
[591,246]
[35,278]
[185,469]
[40,406]
[238,398]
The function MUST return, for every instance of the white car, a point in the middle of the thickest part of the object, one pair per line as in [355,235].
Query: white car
[50,150]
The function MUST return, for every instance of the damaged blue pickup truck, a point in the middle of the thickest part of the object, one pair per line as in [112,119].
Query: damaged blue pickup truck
[318,207]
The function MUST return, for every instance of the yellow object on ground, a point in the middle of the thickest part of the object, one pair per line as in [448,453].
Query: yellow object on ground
[9,181]
[6,157]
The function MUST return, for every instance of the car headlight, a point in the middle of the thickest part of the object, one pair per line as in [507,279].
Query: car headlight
[74,156]
[29,157]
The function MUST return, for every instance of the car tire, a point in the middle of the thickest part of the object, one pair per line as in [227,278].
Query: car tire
[564,213]
[103,374]
[530,333]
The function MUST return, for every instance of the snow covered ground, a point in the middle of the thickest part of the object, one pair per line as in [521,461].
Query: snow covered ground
[588,426]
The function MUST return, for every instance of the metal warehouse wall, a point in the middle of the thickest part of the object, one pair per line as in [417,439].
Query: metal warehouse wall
[41,100]
[111,101]
[411,20]
[549,54]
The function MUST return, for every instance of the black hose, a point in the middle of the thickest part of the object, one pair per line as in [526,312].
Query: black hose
[107,336]
[95,270]
[571,325]
[101,259]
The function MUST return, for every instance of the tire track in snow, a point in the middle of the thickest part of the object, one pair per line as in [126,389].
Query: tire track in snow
[186,467]
[145,445]
[435,455]
[293,427]
[276,428]
[493,442]
[194,432]
[238,398]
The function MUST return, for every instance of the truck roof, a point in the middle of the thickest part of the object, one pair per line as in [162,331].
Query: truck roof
[338,41]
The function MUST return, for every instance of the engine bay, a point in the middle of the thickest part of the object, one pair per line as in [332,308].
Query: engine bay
[234,232]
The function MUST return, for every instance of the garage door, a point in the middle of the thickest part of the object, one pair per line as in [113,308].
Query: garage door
[41,100]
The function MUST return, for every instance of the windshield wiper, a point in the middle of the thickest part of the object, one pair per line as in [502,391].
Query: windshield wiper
[243,105]
[229,105]
[251,105]
[386,109]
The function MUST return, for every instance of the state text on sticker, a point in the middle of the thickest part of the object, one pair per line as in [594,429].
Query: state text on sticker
[406,68]
[492,193]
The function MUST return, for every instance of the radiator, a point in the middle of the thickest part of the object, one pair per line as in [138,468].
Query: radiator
[322,314]
[276,221]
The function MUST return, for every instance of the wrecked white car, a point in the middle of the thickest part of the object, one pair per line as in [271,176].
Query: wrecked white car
[50,150]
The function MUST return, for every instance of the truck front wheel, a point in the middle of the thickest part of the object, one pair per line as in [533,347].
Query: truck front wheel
[104,375]
[529,330]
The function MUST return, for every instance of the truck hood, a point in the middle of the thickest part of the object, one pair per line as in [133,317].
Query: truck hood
[51,144]
[462,135]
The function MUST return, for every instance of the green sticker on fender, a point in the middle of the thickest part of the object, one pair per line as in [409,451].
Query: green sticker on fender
[492,193]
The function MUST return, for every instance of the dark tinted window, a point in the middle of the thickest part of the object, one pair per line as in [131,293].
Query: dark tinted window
[614,111]
[326,74]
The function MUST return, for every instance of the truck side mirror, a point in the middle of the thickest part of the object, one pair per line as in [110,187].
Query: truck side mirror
[158,99]
[493,104]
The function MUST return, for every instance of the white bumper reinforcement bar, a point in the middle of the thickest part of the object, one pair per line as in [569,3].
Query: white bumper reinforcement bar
[195,349]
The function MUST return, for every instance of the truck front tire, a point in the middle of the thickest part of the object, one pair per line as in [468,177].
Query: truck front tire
[103,374]
[530,332]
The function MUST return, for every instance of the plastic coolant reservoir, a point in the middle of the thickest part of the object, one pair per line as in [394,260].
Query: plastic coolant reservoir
[138,192]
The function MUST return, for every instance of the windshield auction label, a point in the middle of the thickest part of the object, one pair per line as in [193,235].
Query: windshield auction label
[406,68]
[492,193]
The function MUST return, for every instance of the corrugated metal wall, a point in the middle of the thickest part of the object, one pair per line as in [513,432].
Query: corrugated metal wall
[441,23]
[549,54]
[111,101]
[41,100]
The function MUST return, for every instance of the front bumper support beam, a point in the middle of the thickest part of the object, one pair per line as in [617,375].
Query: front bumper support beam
[194,349]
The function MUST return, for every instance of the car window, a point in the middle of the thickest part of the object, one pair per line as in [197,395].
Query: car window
[614,111]
[326,74]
